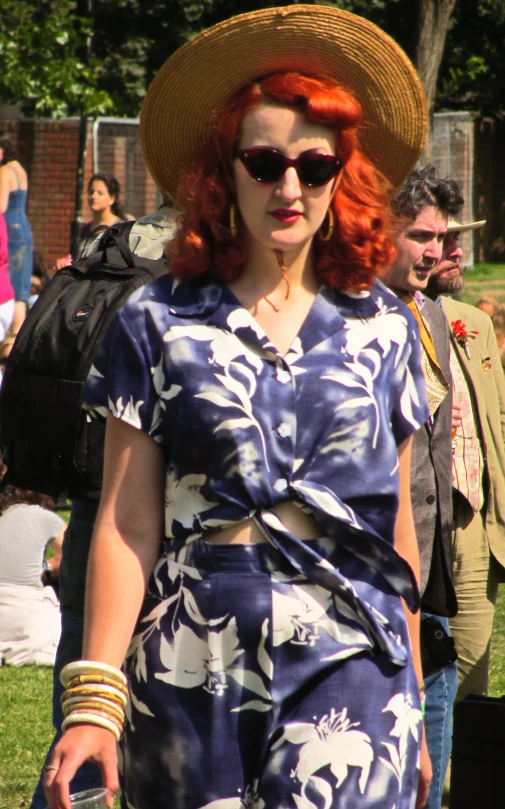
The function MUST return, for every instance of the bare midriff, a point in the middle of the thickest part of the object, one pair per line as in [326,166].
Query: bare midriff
[296,521]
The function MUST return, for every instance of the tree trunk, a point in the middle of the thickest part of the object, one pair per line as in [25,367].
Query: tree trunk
[434,19]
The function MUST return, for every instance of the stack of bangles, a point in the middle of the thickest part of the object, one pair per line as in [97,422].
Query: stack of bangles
[96,694]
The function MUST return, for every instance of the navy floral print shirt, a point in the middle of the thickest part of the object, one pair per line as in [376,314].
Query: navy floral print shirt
[244,428]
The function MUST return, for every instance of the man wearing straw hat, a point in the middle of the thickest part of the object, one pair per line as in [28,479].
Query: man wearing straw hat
[478,475]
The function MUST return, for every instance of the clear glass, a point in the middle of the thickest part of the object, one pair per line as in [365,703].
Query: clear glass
[89,799]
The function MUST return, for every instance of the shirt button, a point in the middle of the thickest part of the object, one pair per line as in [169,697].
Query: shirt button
[284,430]
[283,376]
[281,485]
[430,499]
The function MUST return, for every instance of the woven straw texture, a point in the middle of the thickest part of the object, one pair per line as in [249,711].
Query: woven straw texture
[204,73]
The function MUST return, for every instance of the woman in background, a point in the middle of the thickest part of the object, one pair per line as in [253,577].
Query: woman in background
[13,195]
[6,290]
[103,200]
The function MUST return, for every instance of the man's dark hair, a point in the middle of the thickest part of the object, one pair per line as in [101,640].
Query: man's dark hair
[422,188]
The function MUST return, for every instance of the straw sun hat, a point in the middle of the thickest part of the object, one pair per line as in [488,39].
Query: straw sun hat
[200,77]
[457,227]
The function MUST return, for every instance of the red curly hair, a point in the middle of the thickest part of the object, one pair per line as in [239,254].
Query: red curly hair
[360,246]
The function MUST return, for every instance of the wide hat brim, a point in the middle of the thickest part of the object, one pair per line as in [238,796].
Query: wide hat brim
[457,227]
[200,77]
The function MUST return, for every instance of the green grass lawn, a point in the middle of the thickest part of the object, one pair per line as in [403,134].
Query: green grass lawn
[484,279]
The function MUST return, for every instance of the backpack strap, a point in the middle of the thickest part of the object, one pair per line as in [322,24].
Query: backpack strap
[117,236]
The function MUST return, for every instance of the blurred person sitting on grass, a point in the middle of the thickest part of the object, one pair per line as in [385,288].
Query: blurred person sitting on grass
[30,622]
[488,303]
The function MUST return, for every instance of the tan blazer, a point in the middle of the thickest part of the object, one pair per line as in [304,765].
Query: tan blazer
[486,381]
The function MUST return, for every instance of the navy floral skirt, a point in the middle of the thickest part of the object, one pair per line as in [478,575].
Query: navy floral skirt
[252,688]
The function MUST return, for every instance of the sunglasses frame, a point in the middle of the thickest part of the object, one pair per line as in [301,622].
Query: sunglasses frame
[244,156]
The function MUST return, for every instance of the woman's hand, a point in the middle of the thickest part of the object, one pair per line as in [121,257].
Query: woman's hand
[425,774]
[78,744]
[62,262]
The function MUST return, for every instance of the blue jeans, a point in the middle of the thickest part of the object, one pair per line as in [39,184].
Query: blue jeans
[440,694]
[72,580]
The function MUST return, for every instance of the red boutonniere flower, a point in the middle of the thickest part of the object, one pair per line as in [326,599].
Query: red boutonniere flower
[461,335]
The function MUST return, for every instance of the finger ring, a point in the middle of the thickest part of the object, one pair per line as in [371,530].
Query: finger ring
[48,767]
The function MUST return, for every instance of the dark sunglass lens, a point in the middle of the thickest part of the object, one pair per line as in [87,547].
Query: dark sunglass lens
[316,169]
[265,166]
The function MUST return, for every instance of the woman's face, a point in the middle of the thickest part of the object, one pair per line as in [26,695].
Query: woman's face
[285,214]
[99,198]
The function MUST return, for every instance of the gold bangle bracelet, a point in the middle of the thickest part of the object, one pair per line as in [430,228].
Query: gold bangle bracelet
[91,690]
[79,667]
[98,679]
[86,718]
[96,703]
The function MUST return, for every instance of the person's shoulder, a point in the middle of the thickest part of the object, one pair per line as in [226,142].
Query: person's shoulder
[466,312]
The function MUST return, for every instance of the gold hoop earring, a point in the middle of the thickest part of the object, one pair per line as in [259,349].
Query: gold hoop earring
[325,237]
[233,220]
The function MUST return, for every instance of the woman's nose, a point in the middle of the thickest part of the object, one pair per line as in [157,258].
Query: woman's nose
[289,185]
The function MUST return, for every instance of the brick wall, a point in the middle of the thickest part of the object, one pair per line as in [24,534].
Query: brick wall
[48,150]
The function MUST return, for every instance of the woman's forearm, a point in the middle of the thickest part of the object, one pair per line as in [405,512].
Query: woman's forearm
[406,545]
[118,571]
[126,541]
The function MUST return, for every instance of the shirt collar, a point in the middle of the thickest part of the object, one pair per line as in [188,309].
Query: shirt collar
[215,302]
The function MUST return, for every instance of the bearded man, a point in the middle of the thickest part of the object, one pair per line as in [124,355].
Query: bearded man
[478,473]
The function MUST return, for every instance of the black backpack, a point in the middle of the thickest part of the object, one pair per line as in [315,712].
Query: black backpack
[48,442]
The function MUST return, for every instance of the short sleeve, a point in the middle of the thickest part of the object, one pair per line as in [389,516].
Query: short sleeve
[122,378]
[409,399]
[52,524]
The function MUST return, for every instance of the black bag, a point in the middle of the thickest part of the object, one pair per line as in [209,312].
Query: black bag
[478,753]
[48,442]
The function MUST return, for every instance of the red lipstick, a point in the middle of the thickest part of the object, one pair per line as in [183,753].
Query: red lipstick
[285,215]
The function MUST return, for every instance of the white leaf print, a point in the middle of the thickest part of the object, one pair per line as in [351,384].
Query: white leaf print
[177,569]
[224,803]
[240,318]
[217,399]
[184,660]
[298,617]
[332,742]
[139,705]
[342,379]
[395,758]
[128,413]
[238,389]
[264,659]
[324,789]
[194,332]
[297,733]
[302,802]
[183,500]
[361,401]
[251,681]
[253,705]
[159,611]
[192,608]
[235,424]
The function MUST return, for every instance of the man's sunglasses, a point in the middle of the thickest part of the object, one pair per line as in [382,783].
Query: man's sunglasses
[267,165]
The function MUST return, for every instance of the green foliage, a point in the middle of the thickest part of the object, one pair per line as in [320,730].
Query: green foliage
[472,75]
[64,57]
[44,61]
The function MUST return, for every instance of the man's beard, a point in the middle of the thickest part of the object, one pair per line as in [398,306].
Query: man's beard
[444,285]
